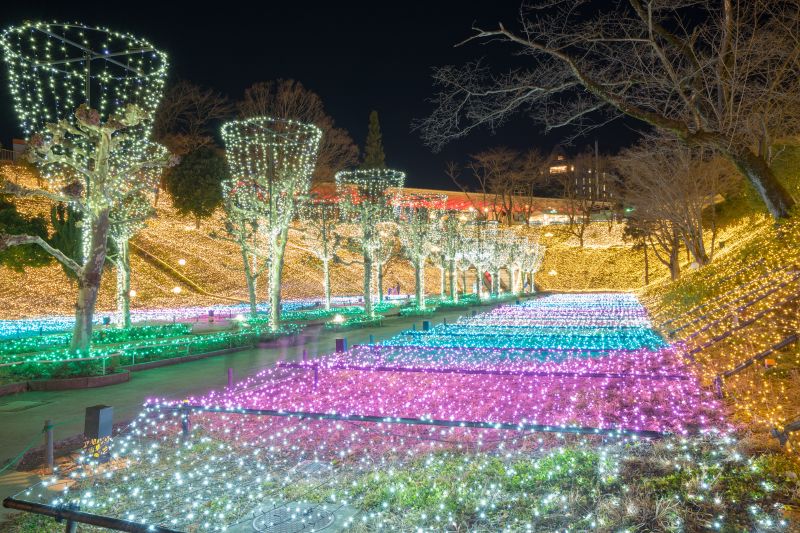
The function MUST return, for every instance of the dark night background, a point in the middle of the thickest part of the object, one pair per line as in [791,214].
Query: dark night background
[357,57]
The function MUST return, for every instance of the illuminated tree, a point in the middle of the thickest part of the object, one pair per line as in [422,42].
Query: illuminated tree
[516,248]
[321,218]
[290,100]
[531,261]
[462,265]
[275,159]
[451,244]
[479,247]
[86,98]
[418,228]
[365,195]
[499,254]
[125,220]
[439,262]
[384,251]
[241,228]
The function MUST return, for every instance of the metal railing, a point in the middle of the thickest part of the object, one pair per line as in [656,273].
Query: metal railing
[719,381]
[8,156]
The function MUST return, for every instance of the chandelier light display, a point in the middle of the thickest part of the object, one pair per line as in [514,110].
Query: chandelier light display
[85,98]
[271,162]
[418,226]
[366,202]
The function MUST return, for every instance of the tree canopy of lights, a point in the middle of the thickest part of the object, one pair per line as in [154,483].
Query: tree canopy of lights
[85,98]
[271,162]
[418,226]
[366,202]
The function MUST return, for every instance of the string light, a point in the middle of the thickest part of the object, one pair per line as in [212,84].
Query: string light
[271,162]
[365,201]
[234,466]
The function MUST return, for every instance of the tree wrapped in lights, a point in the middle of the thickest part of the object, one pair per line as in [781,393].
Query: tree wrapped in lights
[462,266]
[276,158]
[530,262]
[126,220]
[499,244]
[418,228]
[480,247]
[384,251]
[439,262]
[321,218]
[241,227]
[516,248]
[451,240]
[85,98]
[365,195]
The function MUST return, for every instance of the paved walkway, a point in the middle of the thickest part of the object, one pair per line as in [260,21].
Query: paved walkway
[19,428]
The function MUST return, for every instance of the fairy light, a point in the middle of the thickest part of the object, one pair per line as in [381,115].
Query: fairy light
[233,467]
[451,245]
[418,227]
[85,98]
[321,219]
[365,197]
[271,162]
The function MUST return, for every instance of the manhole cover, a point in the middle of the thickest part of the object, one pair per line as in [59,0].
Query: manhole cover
[294,518]
[312,468]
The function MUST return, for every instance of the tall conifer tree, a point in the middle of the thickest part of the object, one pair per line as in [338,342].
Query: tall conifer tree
[373,148]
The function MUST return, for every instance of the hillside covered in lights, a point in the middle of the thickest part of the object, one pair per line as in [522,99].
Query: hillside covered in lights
[211,271]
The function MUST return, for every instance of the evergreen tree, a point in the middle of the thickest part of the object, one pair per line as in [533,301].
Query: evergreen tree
[18,258]
[194,183]
[373,149]
[67,235]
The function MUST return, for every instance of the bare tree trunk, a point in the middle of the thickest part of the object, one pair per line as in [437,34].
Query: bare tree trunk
[442,281]
[674,261]
[453,284]
[123,264]
[368,285]
[777,199]
[326,283]
[419,279]
[696,248]
[89,285]
[646,266]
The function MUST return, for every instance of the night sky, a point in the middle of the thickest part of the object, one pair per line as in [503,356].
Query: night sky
[357,58]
